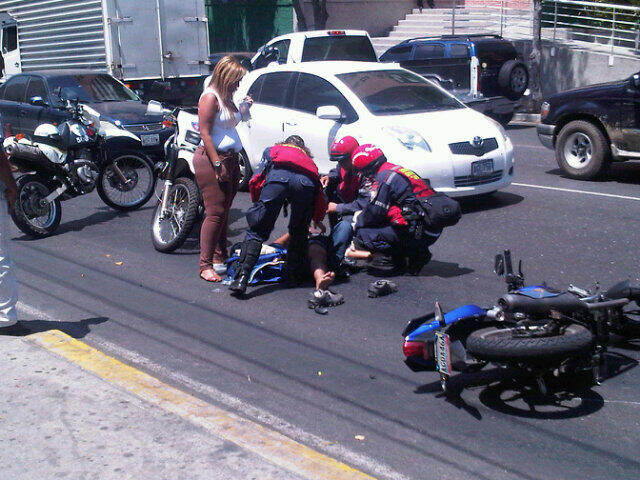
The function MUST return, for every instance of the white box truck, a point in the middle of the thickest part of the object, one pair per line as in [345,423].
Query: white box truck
[137,41]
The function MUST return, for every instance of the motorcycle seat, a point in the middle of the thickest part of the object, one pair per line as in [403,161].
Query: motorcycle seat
[563,302]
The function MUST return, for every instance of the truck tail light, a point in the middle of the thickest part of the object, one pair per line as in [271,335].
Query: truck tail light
[336,32]
[166,123]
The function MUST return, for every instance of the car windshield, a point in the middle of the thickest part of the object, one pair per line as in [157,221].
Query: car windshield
[386,92]
[91,88]
[356,48]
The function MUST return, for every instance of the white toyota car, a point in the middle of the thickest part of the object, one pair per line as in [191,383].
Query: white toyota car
[416,123]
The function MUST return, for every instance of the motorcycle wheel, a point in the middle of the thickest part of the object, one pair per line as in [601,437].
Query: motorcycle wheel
[35,220]
[133,188]
[169,233]
[499,345]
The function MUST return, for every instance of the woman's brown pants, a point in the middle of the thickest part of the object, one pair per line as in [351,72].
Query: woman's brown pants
[217,197]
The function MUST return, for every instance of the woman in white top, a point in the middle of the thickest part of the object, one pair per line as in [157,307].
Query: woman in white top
[216,161]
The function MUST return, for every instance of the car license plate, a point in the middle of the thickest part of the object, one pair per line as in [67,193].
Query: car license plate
[482,168]
[443,356]
[151,139]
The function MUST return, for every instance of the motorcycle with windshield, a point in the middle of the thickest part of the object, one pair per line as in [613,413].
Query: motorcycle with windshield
[64,161]
[534,329]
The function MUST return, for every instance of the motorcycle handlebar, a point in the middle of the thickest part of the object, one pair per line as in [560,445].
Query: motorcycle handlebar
[621,302]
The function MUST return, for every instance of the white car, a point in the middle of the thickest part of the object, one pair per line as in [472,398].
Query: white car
[416,123]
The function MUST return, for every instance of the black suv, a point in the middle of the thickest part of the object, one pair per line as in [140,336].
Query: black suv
[28,100]
[592,126]
[483,71]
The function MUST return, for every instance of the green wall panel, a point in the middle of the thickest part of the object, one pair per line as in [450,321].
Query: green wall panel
[244,25]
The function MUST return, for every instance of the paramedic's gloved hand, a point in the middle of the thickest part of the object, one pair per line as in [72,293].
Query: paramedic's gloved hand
[331,208]
[324,181]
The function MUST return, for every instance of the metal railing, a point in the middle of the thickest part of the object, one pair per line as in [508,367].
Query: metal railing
[601,24]
[606,27]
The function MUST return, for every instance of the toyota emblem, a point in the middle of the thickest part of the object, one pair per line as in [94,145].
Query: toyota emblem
[477,142]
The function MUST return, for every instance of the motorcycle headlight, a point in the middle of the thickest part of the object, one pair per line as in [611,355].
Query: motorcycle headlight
[410,139]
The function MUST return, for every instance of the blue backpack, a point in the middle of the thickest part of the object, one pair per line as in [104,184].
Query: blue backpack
[269,269]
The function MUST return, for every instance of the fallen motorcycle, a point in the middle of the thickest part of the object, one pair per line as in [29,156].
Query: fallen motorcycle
[535,329]
[83,153]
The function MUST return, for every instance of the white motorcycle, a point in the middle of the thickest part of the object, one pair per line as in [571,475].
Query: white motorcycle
[71,159]
[180,205]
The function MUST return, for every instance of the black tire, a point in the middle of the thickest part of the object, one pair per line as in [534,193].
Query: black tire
[498,345]
[245,171]
[570,149]
[108,182]
[503,118]
[24,211]
[189,213]
[513,79]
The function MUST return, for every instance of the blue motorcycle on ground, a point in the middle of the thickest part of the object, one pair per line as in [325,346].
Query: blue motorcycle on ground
[535,329]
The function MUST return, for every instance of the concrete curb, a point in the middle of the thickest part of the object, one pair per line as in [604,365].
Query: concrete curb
[522,117]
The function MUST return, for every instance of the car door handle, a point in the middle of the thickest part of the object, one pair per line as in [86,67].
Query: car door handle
[291,124]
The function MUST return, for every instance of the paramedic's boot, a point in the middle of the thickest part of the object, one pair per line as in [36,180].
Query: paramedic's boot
[249,255]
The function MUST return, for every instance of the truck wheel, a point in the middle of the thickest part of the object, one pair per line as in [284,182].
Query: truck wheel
[500,345]
[513,79]
[582,150]
[245,171]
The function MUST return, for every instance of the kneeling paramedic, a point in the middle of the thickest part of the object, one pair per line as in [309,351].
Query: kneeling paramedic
[344,188]
[394,224]
[290,175]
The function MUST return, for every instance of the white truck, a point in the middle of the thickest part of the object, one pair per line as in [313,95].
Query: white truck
[352,45]
[137,41]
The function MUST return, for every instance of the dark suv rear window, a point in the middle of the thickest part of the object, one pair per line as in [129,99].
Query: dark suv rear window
[397,54]
[339,47]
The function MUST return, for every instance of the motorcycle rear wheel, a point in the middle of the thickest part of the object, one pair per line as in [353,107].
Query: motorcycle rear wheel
[131,193]
[499,345]
[32,218]
[170,233]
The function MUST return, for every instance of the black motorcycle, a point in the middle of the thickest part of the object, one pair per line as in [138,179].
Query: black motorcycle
[72,159]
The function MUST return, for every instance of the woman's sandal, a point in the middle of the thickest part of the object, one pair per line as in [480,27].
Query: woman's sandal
[213,277]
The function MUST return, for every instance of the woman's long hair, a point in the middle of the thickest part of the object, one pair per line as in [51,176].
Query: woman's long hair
[227,72]
[296,141]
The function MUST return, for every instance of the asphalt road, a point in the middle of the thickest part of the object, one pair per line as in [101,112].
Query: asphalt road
[325,379]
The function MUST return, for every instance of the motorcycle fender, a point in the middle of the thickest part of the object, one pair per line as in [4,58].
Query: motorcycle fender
[424,328]
[110,131]
[115,146]
[187,156]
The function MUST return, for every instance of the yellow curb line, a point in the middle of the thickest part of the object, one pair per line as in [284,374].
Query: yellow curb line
[269,444]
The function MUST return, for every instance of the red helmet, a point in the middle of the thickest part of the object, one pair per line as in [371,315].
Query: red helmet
[342,149]
[367,156]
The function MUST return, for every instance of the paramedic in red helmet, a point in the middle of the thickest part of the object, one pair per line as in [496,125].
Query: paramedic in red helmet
[381,227]
[343,188]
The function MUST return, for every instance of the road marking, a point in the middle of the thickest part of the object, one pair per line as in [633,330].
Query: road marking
[269,444]
[570,190]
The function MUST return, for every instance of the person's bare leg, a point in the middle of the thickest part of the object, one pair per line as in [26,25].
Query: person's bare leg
[283,239]
[318,265]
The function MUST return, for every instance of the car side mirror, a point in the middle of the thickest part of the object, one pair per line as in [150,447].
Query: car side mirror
[37,101]
[498,265]
[329,112]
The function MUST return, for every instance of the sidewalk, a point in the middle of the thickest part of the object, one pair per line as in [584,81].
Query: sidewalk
[59,421]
